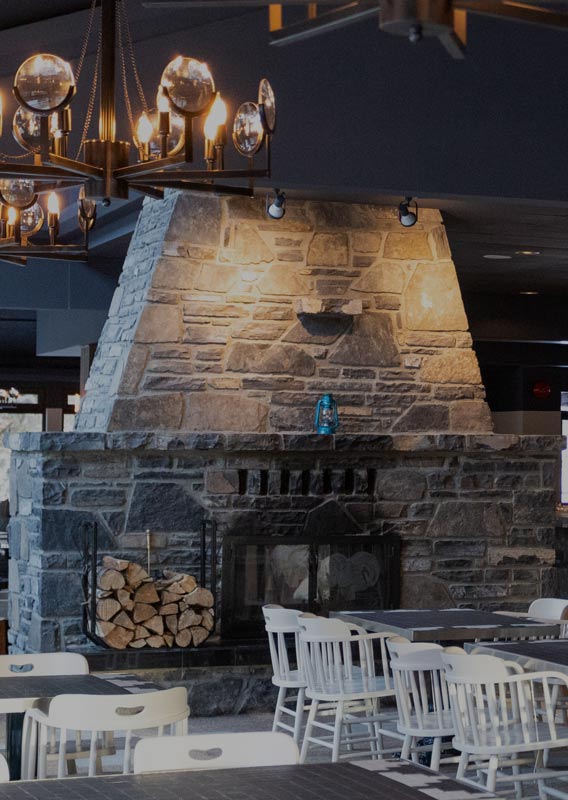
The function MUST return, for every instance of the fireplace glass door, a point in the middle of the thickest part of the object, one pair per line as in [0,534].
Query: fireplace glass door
[319,575]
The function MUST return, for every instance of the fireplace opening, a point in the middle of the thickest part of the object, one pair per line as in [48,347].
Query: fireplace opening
[318,574]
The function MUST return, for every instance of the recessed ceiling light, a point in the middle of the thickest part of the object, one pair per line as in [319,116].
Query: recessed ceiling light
[527,252]
[531,293]
[497,257]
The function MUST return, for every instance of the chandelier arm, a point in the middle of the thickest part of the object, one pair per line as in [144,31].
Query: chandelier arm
[71,252]
[167,178]
[79,168]
[19,260]
[148,167]
[43,172]
[216,188]
[151,191]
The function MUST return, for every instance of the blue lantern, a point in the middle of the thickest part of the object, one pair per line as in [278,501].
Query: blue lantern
[327,420]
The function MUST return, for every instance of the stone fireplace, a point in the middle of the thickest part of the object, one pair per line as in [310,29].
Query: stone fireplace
[224,331]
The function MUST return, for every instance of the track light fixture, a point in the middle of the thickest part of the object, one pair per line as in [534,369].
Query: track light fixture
[406,217]
[276,204]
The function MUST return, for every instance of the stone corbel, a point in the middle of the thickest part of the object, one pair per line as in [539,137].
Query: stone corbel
[332,306]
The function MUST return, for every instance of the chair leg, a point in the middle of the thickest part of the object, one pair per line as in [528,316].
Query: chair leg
[93,754]
[492,774]
[62,753]
[308,731]
[414,754]
[28,736]
[299,714]
[406,745]
[462,765]
[436,752]
[337,732]
[278,710]
[42,759]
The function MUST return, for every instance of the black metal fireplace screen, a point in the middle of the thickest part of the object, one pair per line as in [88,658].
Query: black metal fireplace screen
[318,574]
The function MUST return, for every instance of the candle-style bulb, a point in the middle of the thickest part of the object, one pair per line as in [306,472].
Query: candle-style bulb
[162,101]
[145,129]
[53,204]
[12,215]
[216,117]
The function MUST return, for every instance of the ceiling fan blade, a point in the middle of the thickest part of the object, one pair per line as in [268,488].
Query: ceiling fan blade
[517,11]
[231,3]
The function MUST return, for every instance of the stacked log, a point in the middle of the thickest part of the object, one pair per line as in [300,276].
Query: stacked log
[136,610]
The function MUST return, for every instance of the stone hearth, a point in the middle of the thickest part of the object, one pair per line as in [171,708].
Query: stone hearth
[475,513]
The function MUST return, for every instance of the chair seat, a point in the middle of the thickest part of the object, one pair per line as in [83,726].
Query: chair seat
[430,724]
[512,739]
[295,680]
[358,687]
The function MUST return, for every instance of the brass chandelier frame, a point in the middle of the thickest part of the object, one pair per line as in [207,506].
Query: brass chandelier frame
[105,172]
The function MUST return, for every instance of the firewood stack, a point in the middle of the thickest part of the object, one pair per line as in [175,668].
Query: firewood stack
[134,610]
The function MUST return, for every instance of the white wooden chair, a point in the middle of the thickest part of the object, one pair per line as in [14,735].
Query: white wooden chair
[12,666]
[283,632]
[41,664]
[504,719]
[96,714]
[339,663]
[215,751]
[4,770]
[422,698]
[551,608]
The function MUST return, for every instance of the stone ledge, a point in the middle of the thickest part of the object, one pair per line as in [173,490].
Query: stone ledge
[284,442]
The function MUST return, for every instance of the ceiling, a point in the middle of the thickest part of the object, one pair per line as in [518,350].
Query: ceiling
[476,226]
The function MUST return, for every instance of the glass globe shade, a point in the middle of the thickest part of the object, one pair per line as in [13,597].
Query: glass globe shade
[247,129]
[43,82]
[189,84]
[17,192]
[31,219]
[26,128]
[176,136]
[267,101]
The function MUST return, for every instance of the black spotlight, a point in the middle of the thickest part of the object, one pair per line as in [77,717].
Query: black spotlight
[276,204]
[406,217]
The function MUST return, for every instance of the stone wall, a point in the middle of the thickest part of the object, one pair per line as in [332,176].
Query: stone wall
[475,513]
[225,320]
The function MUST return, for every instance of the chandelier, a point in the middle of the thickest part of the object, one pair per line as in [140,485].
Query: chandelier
[107,167]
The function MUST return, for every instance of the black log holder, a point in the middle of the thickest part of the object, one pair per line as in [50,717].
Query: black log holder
[91,566]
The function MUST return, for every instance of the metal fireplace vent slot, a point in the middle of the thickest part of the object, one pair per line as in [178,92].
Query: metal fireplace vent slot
[306,482]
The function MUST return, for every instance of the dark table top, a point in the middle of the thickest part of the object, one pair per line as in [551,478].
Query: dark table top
[51,685]
[536,656]
[395,779]
[449,624]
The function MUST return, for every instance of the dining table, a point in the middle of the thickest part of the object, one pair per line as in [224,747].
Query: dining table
[20,692]
[397,780]
[549,654]
[450,624]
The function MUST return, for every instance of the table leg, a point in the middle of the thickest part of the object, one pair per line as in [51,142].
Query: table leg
[14,729]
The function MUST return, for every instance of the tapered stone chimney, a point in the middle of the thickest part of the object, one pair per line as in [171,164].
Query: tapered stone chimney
[226,320]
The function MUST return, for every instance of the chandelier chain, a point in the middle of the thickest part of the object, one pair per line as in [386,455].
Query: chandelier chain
[19,157]
[123,74]
[85,44]
[92,95]
[123,11]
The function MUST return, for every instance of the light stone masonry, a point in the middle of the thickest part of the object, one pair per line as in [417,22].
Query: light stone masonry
[225,320]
